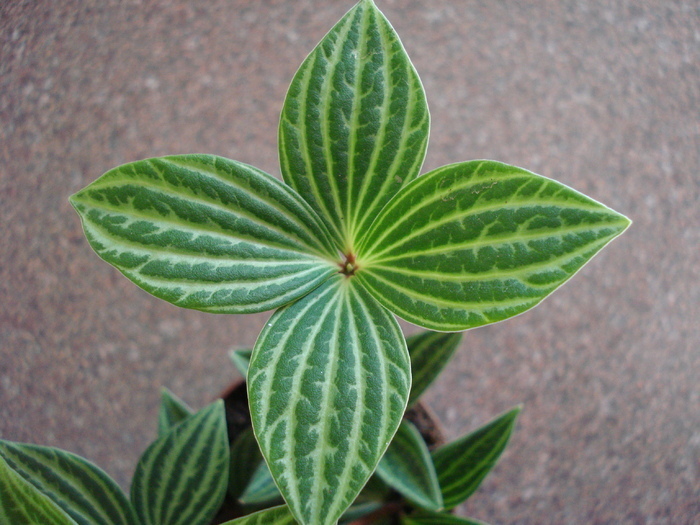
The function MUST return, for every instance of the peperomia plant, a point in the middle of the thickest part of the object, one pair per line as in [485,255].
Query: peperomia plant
[351,238]
[206,468]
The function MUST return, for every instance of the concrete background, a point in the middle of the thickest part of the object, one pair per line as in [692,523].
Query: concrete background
[603,96]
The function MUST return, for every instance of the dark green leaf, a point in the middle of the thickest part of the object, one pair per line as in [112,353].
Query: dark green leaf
[173,410]
[328,384]
[245,459]
[408,468]
[430,352]
[355,123]
[21,503]
[478,242]
[207,233]
[462,464]
[82,490]
[182,477]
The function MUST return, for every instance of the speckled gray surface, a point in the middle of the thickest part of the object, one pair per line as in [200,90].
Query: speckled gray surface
[603,96]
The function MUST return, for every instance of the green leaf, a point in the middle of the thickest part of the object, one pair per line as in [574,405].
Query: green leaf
[21,503]
[245,459]
[478,242]
[355,123]
[328,384]
[408,468]
[241,359]
[82,490]
[275,516]
[435,518]
[173,410]
[261,490]
[462,464]
[430,352]
[358,510]
[182,477]
[207,233]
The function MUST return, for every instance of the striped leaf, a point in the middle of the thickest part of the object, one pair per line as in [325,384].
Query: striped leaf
[354,126]
[182,477]
[82,490]
[207,233]
[408,468]
[462,464]
[275,516]
[478,242]
[173,410]
[436,518]
[241,359]
[359,510]
[430,352]
[21,503]
[328,384]
[261,490]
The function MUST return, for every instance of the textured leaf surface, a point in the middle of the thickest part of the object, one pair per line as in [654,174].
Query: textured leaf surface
[462,464]
[430,352]
[328,384]
[435,518]
[22,503]
[478,242]
[182,477]
[173,410]
[355,123]
[82,490]
[408,468]
[275,516]
[207,233]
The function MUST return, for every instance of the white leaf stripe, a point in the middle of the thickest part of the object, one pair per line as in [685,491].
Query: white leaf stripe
[328,383]
[190,230]
[355,123]
[22,503]
[182,477]
[80,488]
[464,194]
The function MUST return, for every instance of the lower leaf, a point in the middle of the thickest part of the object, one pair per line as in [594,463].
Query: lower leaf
[463,464]
[84,491]
[22,503]
[328,384]
[182,477]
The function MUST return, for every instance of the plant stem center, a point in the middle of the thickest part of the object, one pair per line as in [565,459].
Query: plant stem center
[349,266]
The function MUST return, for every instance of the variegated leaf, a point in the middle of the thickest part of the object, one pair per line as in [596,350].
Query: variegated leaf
[261,490]
[21,503]
[478,242]
[182,477]
[328,384]
[408,468]
[430,352]
[463,464]
[354,126]
[82,490]
[207,233]
[245,460]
